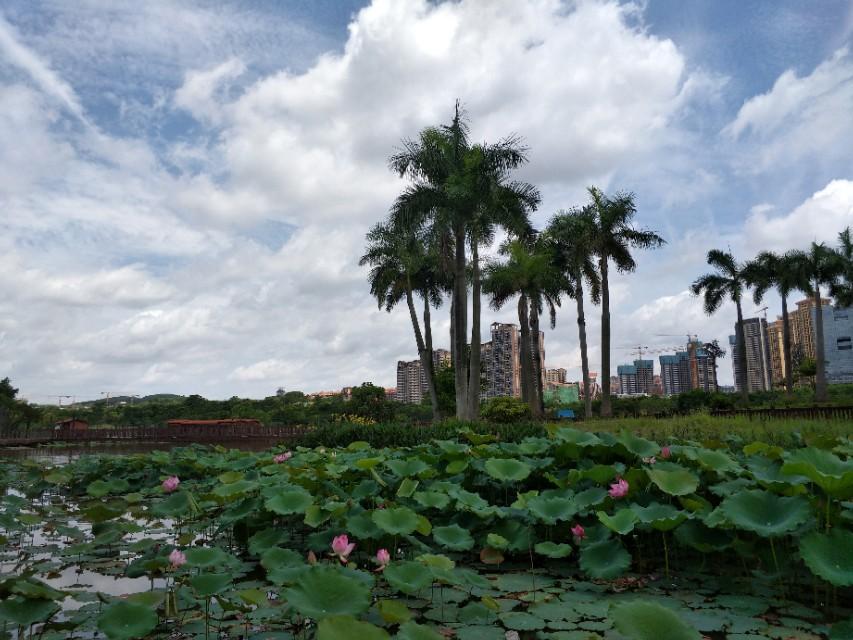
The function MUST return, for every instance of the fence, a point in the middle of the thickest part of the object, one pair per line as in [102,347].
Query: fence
[157,433]
[810,413]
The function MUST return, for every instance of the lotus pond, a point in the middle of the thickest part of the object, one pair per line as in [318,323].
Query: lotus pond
[574,536]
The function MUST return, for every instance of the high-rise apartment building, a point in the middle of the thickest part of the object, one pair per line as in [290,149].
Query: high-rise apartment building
[694,368]
[411,377]
[777,351]
[838,343]
[555,375]
[757,376]
[802,328]
[501,358]
[636,379]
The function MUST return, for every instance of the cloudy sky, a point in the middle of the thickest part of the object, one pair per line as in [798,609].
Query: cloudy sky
[185,186]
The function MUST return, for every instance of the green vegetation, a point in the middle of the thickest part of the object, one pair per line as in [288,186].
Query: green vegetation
[564,533]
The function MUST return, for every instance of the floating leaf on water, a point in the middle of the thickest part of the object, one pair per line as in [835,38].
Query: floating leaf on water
[413,631]
[393,611]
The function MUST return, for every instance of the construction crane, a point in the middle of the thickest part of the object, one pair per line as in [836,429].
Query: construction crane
[59,399]
[637,349]
[764,309]
[691,337]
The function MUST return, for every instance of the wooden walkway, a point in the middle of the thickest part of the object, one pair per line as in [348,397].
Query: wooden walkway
[185,434]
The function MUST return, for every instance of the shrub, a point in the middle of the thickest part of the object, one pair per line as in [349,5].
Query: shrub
[505,410]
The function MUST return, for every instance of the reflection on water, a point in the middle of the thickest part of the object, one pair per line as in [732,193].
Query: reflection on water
[63,454]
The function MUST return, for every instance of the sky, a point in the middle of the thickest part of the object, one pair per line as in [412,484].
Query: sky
[185,186]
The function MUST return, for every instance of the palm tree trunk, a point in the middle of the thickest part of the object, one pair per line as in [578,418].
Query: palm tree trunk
[786,348]
[526,361]
[474,367]
[424,355]
[606,410]
[740,338]
[537,395]
[452,329]
[587,392]
[460,307]
[820,356]
[430,364]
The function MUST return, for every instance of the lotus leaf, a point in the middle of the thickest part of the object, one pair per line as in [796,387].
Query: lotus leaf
[23,612]
[673,479]
[830,556]
[407,467]
[209,584]
[126,620]
[663,517]
[550,509]
[348,628]
[432,499]
[641,620]
[324,591]
[765,513]
[606,559]
[413,631]
[621,522]
[289,501]
[453,537]
[824,468]
[507,469]
[553,550]
[206,557]
[396,521]
[408,577]
[640,447]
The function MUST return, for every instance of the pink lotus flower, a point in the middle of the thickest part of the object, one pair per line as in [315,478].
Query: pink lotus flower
[282,457]
[342,547]
[177,558]
[578,533]
[650,460]
[171,483]
[619,489]
[665,453]
[383,558]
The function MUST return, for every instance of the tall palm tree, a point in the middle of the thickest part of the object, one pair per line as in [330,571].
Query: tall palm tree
[842,290]
[784,273]
[613,240]
[531,274]
[463,190]
[400,267]
[727,282]
[571,233]
[821,266]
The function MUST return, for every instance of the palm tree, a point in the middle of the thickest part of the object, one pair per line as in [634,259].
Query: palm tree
[531,274]
[399,268]
[463,191]
[613,239]
[783,272]
[728,282]
[570,233]
[821,266]
[842,290]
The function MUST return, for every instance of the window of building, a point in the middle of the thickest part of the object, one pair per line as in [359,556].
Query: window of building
[844,344]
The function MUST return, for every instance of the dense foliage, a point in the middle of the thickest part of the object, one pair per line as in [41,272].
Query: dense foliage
[569,535]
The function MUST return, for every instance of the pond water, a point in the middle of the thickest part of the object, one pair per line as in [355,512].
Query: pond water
[64,454]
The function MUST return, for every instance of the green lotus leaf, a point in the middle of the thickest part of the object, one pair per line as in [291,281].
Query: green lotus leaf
[407,488]
[516,533]
[230,476]
[236,488]
[408,577]
[552,549]
[397,521]
[209,584]
[453,537]
[96,513]
[324,591]
[641,620]
[640,447]
[842,630]
[407,467]
[576,437]
[550,509]
[125,620]
[470,501]
[348,628]
[606,559]
[393,611]
[673,480]
[33,588]
[206,557]
[697,535]
[432,499]
[456,466]
[824,468]
[765,513]
[265,539]
[22,612]
[414,631]
[100,488]
[176,505]
[621,522]
[663,517]
[830,556]
[507,469]
[284,566]
[361,525]
[289,501]
[589,498]
[521,621]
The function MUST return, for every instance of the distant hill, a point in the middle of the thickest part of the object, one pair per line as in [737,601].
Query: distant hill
[114,400]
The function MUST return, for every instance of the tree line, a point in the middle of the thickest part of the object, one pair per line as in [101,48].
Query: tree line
[460,195]
[804,271]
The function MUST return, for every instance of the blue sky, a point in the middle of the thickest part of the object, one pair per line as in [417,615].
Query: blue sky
[185,187]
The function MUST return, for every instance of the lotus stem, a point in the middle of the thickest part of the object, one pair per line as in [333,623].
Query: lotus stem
[665,553]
